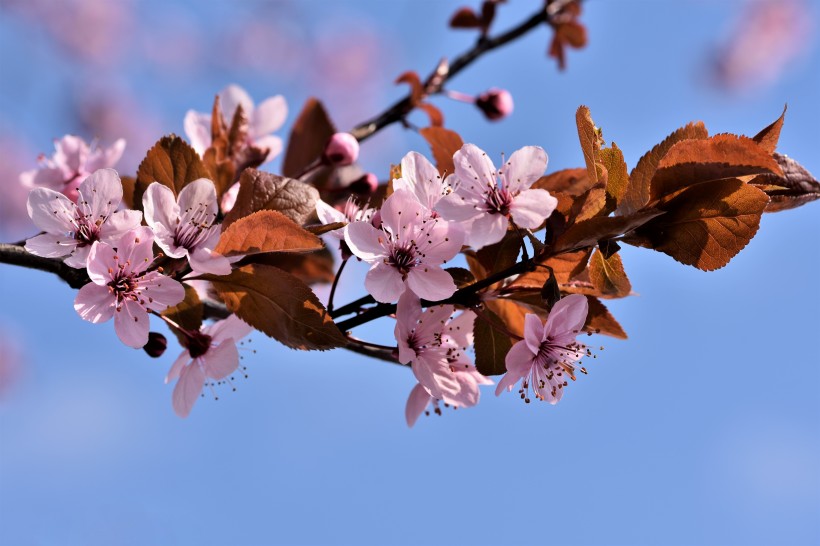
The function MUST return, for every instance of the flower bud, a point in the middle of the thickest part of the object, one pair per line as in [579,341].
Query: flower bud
[495,104]
[341,150]
[365,184]
[156,344]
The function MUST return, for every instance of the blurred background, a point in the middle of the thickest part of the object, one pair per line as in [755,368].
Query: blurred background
[702,428]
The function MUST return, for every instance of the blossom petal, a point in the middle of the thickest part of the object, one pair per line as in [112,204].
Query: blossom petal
[416,403]
[487,229]
[273,144]
[78,258]
[50,245]
[408,313]
[160,291]
[430,283]
[198,129]
[195,199]
[467,394]
[188,389]
[70,153]
[100,263]
[160,206]
[231,97]
[101,193]
[533,332]
[530,208]
[445,240]
[177,366]
[204,260]
[460,329]
[119,223]
[230,328]
[95,303]
[136,247]
[433,372]
[567,316]
[365,241]
[401,211]
[221,361]
[269,116]
[455,208]
[328,214]
[51,211]
[420,177]
[523,168]
[384,283]
[474,170]
[131,324]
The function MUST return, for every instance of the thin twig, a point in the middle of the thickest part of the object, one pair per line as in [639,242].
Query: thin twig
[16,254]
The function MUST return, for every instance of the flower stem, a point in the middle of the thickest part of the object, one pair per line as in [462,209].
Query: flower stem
[334,285]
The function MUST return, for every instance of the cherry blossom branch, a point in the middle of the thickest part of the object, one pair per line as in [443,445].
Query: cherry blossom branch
[443,73]
[16,254]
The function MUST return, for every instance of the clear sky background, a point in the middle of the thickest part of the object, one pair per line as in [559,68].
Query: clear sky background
[702,428]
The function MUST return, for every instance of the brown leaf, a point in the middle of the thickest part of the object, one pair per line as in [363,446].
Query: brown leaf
[566,266]
[600,320]
[691,162]
[311,268]
[171,162]
[796,187]
[128,183]
[706,225]
[768,137]
[572,33]
[617,176]
[512,313]
[443,143]
[435,115]
[589,232]
[590,138]
[264,191]
[412,79]
[608,275]
[188,314]
[637,193]
[565,185]
[462,277]
[279,305]
[465,18]
[500,255]
[265,231]
[310,134]
[491,346]
[589,205]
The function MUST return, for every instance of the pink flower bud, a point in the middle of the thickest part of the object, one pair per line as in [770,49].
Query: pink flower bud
[341,150]
[365,184]
[495,104]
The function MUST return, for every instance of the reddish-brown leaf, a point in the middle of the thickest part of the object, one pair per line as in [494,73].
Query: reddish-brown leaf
[608,275]
[443,143]
[412,79]
[171,162]
[572,33]
[589,232]
[265,231]
[310,268]
[637,192]
[566,266]
[706,225]
[589,205]
[691,162]
[565,185]
[128,184]
[279,305]
[491,346]
[617,176]
[310,134]
[435,115]
[796,187]
[600,320]
[264,191]
[462,277]
[769,136]
[590,137]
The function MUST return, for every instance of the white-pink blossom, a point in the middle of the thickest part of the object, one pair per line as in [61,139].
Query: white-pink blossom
[183,226]
[122,287]
[263,120]
[211,354]
[73,160]
[422,179]
[351,212]
[435,347]
[71,229]
[485,199]
[407,251]
[549,353]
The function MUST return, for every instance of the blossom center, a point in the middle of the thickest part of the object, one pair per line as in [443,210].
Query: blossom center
[198,344]
[124,286]
[498,201]
[87,231]
[194,229]
[402,258]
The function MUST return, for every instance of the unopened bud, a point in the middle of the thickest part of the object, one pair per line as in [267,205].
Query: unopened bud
[156,344]
[342,149]
[495,104]
[365,184]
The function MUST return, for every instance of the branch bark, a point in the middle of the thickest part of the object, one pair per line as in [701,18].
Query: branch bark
[16,254]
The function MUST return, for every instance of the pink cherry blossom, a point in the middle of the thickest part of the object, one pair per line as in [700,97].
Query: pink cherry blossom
[183,226]
[549,353]
[72,162]
[351,212]
[263,119]
[435,348]
[71,229]
[211,354]
[122,288]
[485,205]
[408,250]
[422,179]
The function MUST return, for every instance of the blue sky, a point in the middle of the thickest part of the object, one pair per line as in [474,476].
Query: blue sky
[702,428]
